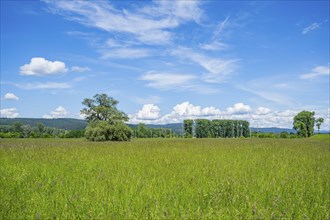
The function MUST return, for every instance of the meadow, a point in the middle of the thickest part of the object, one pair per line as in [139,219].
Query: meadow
[165,179]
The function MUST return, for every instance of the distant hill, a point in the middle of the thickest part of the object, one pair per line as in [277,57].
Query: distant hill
[61,123]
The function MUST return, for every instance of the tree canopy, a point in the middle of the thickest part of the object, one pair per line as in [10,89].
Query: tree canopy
[303,123]
[102,108]
[105,121]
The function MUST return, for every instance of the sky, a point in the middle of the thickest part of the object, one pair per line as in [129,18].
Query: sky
[165,61]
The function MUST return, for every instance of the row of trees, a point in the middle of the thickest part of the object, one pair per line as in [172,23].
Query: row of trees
[142,131]
[18,130]
[203,128]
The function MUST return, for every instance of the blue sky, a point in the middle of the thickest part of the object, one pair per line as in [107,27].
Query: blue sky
[262,61]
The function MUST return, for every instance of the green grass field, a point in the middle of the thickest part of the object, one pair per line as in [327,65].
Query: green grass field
[165,179]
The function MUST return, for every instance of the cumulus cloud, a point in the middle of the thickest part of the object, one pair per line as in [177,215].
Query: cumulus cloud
[311,27]
[10,96]
[317,72]
[9,113]
[179,112]
[260,118]
[187,109]
[39,66]
[239,108]
[59,112]
[262,111]
[148,112]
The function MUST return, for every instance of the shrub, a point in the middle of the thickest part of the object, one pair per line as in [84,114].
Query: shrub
[103,131]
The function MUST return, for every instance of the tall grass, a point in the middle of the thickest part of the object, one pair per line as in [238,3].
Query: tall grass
[165,179]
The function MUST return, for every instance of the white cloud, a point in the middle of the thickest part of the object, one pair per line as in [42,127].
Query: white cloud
[80,69]
[145,100]
[149,25]
[9,113]
[46,85]
[221,27]
[261,118]
[218,69]
[311,27]
[188,110]
[148,112]
[125,53]
[165,81]
[263,111]
[214,46]
[318,71]
[41,67]
[239,108]
[10,96]
[59,112]
[176,82]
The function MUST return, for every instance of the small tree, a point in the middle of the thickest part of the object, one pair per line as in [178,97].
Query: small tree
[303,123]
[319,121]
[105,121]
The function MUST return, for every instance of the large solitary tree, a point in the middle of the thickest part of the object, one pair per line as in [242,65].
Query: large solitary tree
[303,123]
[105,121]
[102,108]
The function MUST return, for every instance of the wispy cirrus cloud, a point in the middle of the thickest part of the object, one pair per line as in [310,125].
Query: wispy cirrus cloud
[125,53]
[311,27]
[218,69]
[43,85]
[149,25]
[160,80]
[176,82]
[316,72]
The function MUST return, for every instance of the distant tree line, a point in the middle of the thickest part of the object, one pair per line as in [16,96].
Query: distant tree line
[203,128]
[142,131]
[19,130]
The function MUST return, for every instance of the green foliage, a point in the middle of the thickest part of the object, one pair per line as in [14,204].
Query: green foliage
[188,128]
[142,131]
[102,108]
[284,134]
[26,131]
[303,123]
[221,128]
[103,131]
[319,121]
[106,122]
[165,179]
[59,123]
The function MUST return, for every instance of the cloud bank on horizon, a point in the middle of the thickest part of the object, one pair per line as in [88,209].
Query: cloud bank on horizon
[164,60]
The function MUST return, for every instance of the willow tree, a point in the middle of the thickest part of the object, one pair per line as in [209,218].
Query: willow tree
[105,121]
